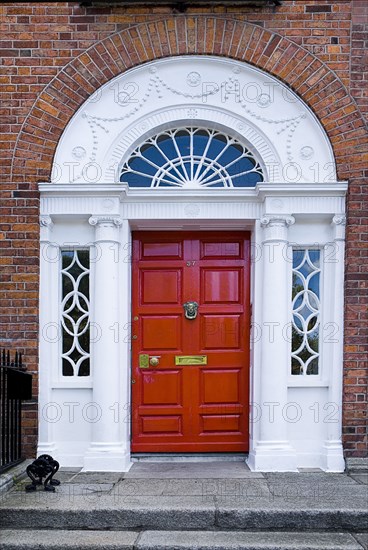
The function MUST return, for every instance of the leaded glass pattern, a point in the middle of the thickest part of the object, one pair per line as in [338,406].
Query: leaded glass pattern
[75,312]
[306,312]
[191,157]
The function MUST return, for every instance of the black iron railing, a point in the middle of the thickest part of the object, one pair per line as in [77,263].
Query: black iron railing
[15,386]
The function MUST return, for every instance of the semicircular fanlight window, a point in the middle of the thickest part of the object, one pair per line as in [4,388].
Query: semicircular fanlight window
[191,158]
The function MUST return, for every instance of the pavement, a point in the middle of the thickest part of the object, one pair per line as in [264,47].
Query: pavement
[185,506]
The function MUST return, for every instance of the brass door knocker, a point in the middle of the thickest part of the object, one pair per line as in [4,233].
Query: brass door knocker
[191,310]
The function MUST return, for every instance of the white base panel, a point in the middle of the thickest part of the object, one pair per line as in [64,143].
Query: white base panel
[333,457]
[106,459]
[69,460]
[273,457]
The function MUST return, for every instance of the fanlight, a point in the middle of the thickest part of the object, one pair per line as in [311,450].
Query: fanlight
[191,158]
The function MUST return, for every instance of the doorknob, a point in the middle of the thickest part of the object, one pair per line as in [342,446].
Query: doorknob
[154,361]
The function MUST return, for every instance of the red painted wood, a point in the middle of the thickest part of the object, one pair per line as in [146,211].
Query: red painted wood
[196,408]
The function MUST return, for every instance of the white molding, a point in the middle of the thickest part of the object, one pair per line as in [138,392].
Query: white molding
[336,188]
[105,200]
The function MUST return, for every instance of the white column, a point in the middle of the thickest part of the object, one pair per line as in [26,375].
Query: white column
[49,331]
[272,451]
[107,451]
[333,450]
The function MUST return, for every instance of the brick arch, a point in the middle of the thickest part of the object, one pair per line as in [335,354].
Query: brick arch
[310,78]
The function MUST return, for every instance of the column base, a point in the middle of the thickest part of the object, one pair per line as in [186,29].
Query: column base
[333,457]
[106,458]
[273,456]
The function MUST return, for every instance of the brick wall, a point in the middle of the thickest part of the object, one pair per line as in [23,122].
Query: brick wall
[356,285]
[316,47]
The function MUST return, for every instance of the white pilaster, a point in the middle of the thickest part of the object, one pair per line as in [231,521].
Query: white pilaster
[49,335]
[272,451]
[108,451]
[333,450]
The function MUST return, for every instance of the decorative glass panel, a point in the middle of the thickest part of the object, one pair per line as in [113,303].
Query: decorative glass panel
[191,158]
[75,322]
[306,312]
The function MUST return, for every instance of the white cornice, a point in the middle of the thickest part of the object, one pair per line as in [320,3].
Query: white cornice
[80,189]
[258,193]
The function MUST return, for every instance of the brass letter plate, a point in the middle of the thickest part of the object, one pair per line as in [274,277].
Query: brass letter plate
[190,359]
[143,361]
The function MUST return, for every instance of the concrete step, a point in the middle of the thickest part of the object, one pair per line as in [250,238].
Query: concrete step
[99,512]
[178,540]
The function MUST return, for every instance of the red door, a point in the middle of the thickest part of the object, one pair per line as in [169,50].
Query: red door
[196,399]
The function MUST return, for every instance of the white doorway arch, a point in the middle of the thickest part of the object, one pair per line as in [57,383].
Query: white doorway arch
[296,419]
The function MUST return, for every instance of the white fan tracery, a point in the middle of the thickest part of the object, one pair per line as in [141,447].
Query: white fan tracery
[191,157]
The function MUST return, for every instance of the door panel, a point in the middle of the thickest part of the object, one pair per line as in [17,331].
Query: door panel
[161,287]
[220,332]
[161,388]
[161,425]
[220,286]
[163,331]
[201,407]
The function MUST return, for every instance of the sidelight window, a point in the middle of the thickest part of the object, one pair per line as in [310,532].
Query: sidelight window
[75,312]
[305,351]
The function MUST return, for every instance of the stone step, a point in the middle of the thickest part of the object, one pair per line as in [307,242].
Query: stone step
[178,540]
[191,513]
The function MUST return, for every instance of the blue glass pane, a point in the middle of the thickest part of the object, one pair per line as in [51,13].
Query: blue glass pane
[153,154]
[247,180]
[298,322]
[183,141]
[298,302]
[216,147]
[313,284]
[166,144]
[140,165]
[200,142]
[306,269]
[314,256]
[298,256]
[67,258]
[230,156]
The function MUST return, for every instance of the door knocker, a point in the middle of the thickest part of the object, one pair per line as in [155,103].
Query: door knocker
[191,310]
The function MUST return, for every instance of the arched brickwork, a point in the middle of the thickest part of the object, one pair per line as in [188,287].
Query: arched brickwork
[307,75]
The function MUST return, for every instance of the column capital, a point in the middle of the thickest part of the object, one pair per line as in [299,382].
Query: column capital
[339,219]
[107,221]
[338,223]
[46,225]
[46,221]
[276,227]
[279,220]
